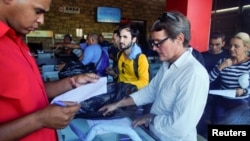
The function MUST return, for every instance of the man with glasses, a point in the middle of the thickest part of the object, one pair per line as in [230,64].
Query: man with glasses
[178,92]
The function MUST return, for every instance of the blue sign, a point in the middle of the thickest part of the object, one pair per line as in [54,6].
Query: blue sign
[108,14]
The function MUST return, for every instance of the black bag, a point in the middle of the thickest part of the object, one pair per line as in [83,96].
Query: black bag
[75,67]
[115,92]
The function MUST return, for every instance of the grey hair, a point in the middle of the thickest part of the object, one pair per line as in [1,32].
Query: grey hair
[174,27]
[94,36]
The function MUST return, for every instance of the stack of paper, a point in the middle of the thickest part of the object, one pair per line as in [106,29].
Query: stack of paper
[227,93]
[84,92]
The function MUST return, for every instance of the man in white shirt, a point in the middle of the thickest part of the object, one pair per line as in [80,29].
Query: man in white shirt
[179,90]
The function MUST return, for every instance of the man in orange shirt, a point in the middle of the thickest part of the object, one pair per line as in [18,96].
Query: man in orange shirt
[26,114]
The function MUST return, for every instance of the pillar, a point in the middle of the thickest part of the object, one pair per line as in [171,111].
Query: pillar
[199,14]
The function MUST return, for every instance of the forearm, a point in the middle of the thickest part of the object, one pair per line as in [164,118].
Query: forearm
[19,128]
[72,46]
[214,74]
[55,88]
[128,101]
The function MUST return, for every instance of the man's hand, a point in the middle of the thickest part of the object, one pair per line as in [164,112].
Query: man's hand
[239,92]
[225,64]
[82,79]
[110,71]
[144,120]
[108,109]
[57,117]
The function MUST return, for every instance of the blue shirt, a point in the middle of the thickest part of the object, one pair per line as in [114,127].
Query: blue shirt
[92,53]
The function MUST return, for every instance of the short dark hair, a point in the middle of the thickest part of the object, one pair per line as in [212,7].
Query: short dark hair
[173,23]
[68,36]
[132,28]
[218,34]
[116,31]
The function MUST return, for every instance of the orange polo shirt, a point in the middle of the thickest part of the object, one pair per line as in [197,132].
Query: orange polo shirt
[21,88]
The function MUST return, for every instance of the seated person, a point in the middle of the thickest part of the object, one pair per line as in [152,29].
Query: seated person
[129,50]
[215,52]
[62,49]
[63,52]
[176,104]
[228,70]
[127,81]
[102,42]
[114,48]
[92,51]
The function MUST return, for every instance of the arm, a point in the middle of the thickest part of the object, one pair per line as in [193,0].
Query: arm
[55,88]
[50,117]
[215,72]
[111,71]
[225,64]
[71,45]
[88,55]
[108,109]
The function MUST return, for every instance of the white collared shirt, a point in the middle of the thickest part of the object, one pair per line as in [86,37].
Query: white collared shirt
[179,95]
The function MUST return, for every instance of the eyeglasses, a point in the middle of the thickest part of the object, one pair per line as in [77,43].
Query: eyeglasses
[158,44]
[163,17]
[123,65]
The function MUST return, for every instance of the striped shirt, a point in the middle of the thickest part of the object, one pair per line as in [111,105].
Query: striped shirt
[228,77]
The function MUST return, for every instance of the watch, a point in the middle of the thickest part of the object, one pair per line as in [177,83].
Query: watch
[245,91]
[151,119]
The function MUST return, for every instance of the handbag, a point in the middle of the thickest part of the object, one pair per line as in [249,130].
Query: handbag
[75,67]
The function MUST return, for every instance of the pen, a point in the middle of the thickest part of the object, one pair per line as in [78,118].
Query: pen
[125,139]
[59,103]
[77,131]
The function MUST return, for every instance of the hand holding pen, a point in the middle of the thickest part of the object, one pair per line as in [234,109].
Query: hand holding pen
[75,129]
[57,116]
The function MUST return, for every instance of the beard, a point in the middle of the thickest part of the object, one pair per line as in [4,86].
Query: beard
[126,46]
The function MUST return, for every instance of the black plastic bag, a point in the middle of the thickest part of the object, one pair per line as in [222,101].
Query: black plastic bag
[74,67]
[115,92]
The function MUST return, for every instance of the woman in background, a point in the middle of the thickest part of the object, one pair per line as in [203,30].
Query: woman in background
[228,71]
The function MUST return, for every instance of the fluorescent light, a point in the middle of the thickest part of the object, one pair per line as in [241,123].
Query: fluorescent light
[227,9]
[230,9]
[246,6]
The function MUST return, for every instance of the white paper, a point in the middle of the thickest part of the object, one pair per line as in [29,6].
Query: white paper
[227,93]
[84,92]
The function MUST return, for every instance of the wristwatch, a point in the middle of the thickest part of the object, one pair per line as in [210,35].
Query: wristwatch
[151,119]
[245,91]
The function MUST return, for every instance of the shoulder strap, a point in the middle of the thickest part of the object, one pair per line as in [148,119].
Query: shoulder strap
[136,62]
[118,57]
[97,63]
